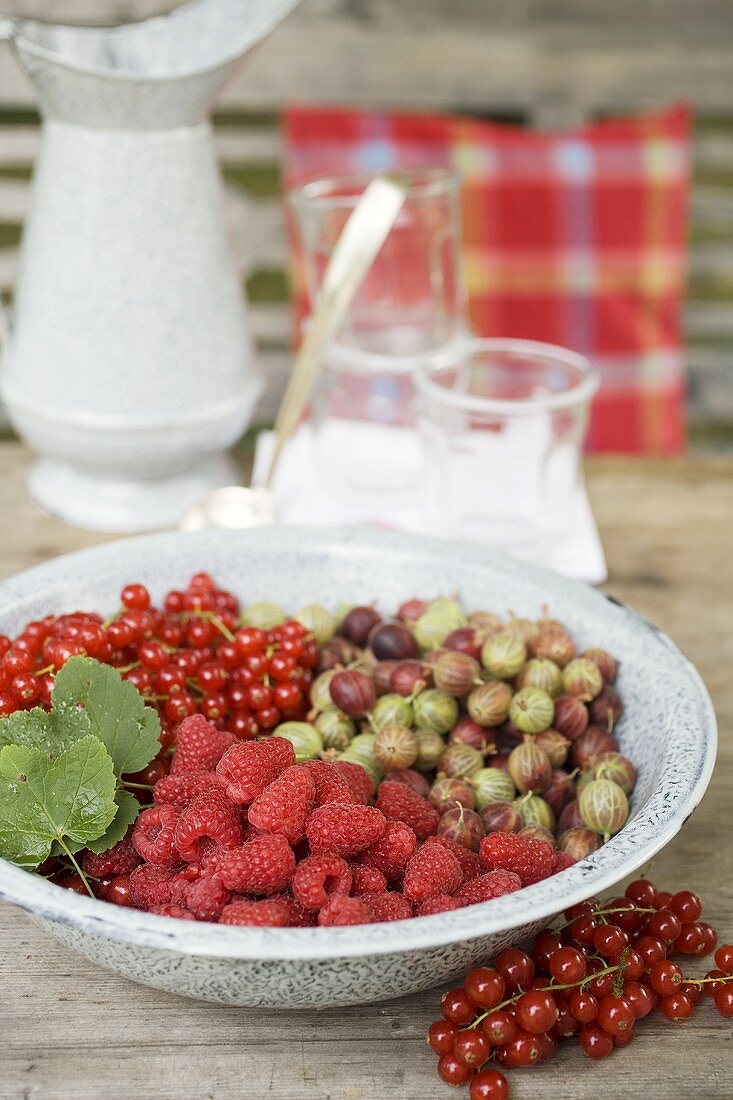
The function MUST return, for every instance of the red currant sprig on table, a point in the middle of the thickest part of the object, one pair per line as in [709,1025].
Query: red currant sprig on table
[606,966]
[189,657]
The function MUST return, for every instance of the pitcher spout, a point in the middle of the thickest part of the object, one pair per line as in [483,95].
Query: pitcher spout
[160,73]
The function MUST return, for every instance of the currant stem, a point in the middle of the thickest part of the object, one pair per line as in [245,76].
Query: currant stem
[630,908]
[703,981]
[77,868]
[550,989]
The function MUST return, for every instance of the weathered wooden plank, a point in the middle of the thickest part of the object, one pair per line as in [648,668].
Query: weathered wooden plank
[241,145]
[476,54]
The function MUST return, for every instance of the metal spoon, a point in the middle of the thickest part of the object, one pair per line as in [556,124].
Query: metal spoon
[239,506]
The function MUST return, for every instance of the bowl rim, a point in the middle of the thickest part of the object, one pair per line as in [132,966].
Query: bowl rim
[668,807]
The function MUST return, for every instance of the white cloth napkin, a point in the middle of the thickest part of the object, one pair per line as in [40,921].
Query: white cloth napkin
[302,498]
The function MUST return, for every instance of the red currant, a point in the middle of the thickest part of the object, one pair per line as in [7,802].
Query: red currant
[516,968]
[712,987]
[457,1007]
[640,998]
[536,1011]
[724,1001]
[471,1047]
[567,965]
[724,958]
[651,950]
[609,940]
[500,1027]
[615,1015]
[709,937]
[686,906]
[179,706]
[595,1042]
[250,641]
[691,940]
[26,689]
[543,948]
[664,925]
[135,596]
[677,1006]
[584,1006]
[452,1071]
[485,987]
[665,977]
[489,1084]
[153,656]
[694,992]
[642,892]
[524,1049]
[441,1035]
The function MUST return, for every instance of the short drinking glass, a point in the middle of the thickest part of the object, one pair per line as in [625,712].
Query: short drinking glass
[502,424]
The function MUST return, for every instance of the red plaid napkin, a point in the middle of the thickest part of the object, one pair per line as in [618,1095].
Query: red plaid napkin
[577,238]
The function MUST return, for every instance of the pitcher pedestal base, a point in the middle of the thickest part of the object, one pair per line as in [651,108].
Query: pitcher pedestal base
[125,507]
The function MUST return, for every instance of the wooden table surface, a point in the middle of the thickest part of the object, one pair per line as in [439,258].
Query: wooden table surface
[70,1030]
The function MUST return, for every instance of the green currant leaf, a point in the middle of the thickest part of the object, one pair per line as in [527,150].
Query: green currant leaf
[115,710]
[128,808]
[52,733]
[69,800]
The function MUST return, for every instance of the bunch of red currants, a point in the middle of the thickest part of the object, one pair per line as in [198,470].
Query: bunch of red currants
[606,966]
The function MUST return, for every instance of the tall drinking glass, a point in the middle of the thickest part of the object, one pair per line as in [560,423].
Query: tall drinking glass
[502,424]
[413,299]
[411,305]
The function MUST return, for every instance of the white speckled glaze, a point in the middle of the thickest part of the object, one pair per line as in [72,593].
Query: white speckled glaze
[128,366]
[668,730]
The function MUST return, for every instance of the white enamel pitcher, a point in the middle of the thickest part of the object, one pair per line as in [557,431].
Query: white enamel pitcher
[127,365]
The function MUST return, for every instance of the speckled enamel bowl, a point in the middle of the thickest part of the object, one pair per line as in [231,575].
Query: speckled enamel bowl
[668,731]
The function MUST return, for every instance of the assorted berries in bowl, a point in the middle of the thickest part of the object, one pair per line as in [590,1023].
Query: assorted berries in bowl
[393,786]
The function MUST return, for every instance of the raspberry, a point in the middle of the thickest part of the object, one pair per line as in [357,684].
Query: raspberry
[432,870]
[331,786]
[285,804]
[298,916]
[180,790]
[561,861]
[342,910]
[119,860]
[359,780]
[271,913]
[154,835]
[471,863]
[343,828]
[412,779]
[441,903]
[367,880]
[264,865]
[207,896]
[387,905]
[199,745]
[213,816]
[399,803]
[249,766]
[318,877]
[528,857]
[150,884]
[391,852]
[170,910]
[181,883]
[210,853]
[492,885]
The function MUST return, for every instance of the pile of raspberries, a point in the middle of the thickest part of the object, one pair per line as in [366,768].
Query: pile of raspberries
[241,834]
